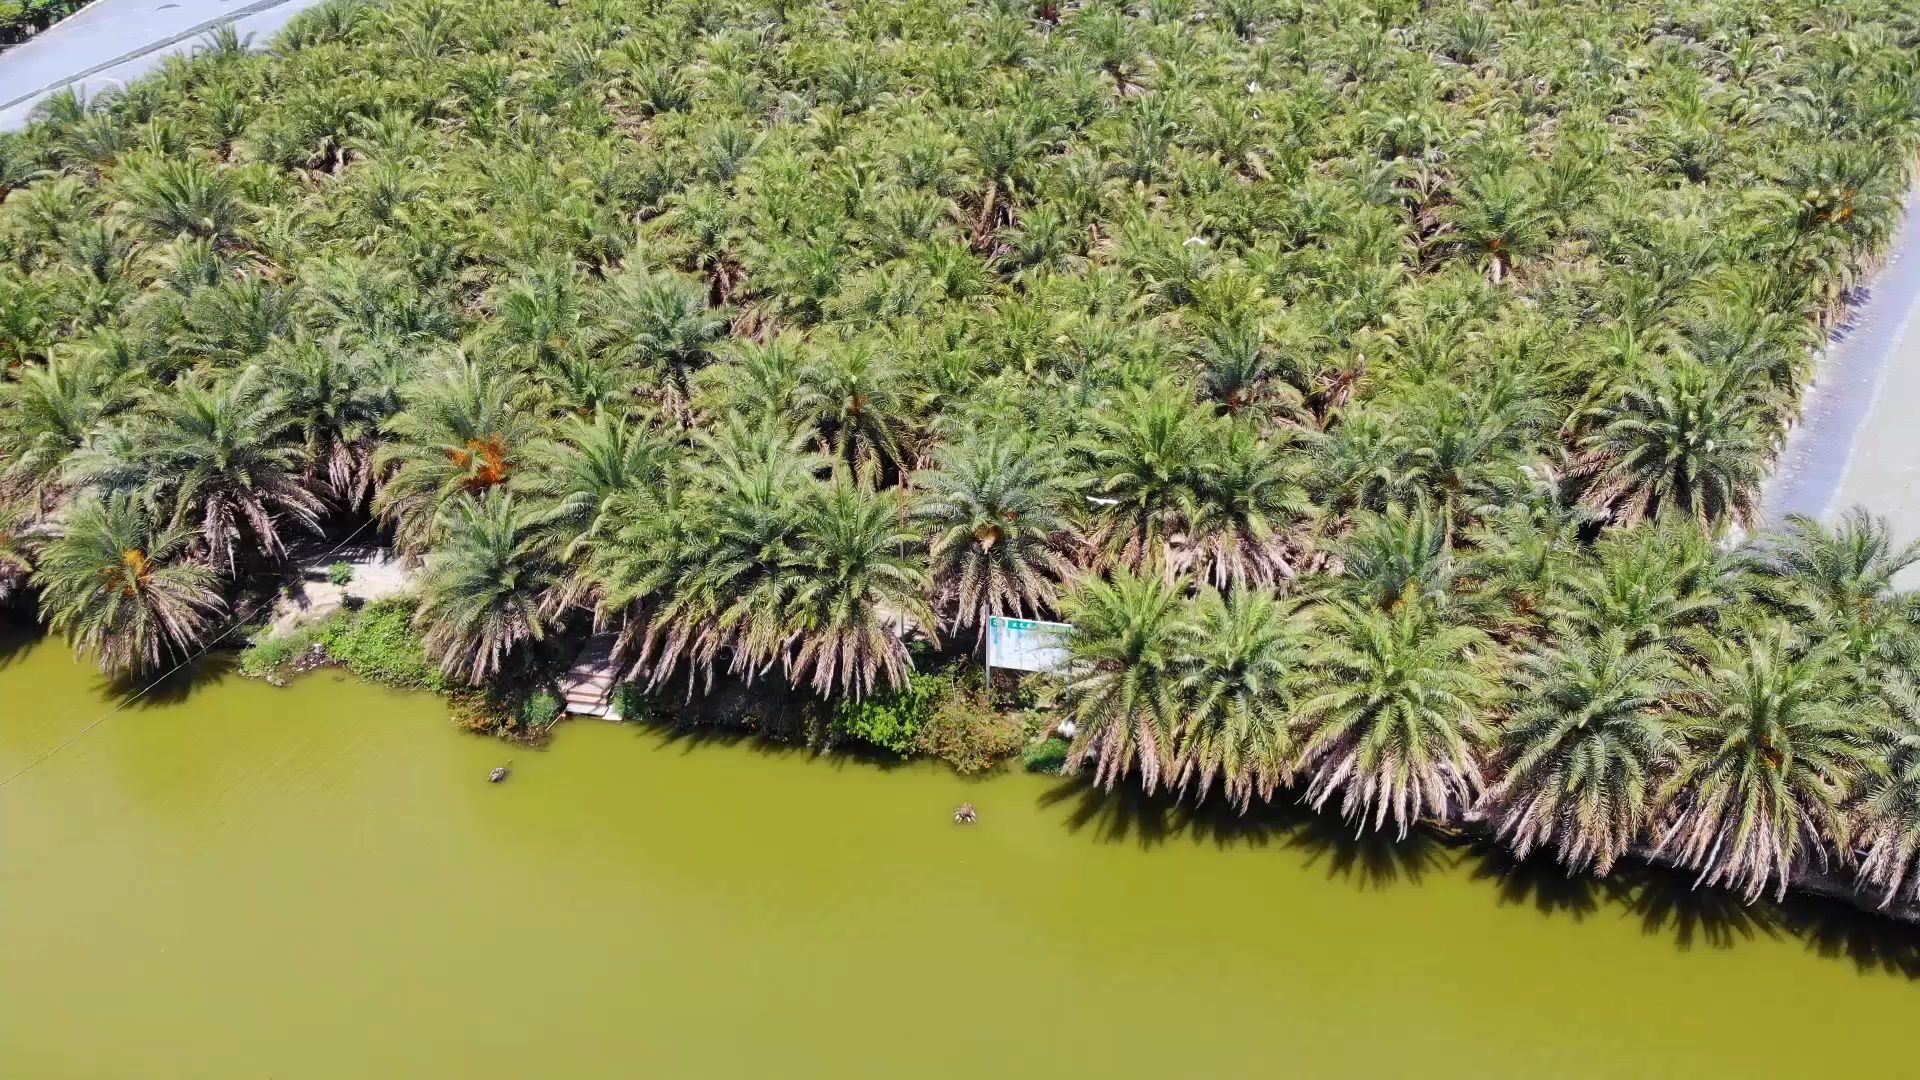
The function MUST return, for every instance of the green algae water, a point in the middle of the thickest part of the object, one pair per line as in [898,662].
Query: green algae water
[239,881]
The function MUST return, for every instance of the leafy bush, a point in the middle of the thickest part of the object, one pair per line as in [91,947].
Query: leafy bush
[538,710]
[379,643]
[1048,756]
[890,719]
[965,732]
[340,574]
[631,701]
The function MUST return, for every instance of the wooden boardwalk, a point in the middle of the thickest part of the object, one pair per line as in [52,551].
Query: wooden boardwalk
[588,685]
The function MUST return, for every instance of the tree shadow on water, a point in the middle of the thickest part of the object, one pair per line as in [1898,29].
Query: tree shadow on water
[1662,899]
[1126,813]
[1833,929]
[1541,883]
[148,692]
[1366,859]
[17,635]
[1668,905]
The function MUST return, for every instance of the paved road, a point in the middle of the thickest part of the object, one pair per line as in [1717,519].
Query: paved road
[1859,439]
[117,40]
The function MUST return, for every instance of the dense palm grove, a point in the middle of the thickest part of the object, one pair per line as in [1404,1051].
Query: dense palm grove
[1374,386]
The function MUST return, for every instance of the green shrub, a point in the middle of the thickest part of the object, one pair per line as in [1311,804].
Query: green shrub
[340,574]
[631,701]
[889,719]
[380,644]
[538,709]
[1047,756]
[965,732]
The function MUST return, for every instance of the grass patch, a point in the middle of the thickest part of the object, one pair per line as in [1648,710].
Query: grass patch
[1046,756]
[379,643]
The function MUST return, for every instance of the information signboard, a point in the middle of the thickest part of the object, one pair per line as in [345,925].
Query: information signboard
[1026,644]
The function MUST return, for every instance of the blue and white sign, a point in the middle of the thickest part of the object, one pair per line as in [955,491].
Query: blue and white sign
[1026,644]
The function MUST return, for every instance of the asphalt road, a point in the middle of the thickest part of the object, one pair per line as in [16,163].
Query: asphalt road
[115,41]
[1858,441]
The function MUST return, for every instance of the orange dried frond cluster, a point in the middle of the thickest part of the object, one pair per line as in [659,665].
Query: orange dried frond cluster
[484,460]
[130,574]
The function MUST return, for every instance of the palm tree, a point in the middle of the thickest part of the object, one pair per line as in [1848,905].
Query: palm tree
[1520,561]
[1500,217]
[465,429]
[755,379]
[581,476]
[174,195]
[1121,684]
[1396,558]
[1775,749]
[118,583]
[661,321]
[223,454]
[1241,664]
[1253,505]
[1366,463]
[649,549]
[1393,720]
[337,403]
[1887,814]
[856,397]
[1149,454]
[752,481]
[237,318]
[538,314]
[483,590]
[1660,586]
[16,534]
[1253,364]
[51,410]
[855,584]
[1680,440]
[1461,454]
[1839,581]
[995,511]
[1584,752]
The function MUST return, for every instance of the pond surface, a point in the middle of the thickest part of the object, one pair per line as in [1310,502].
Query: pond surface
[317,882]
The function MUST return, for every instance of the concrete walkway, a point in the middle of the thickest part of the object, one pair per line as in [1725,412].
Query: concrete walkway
[377,575]
[116,41]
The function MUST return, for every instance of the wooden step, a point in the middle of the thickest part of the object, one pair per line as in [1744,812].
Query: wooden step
[588,686]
